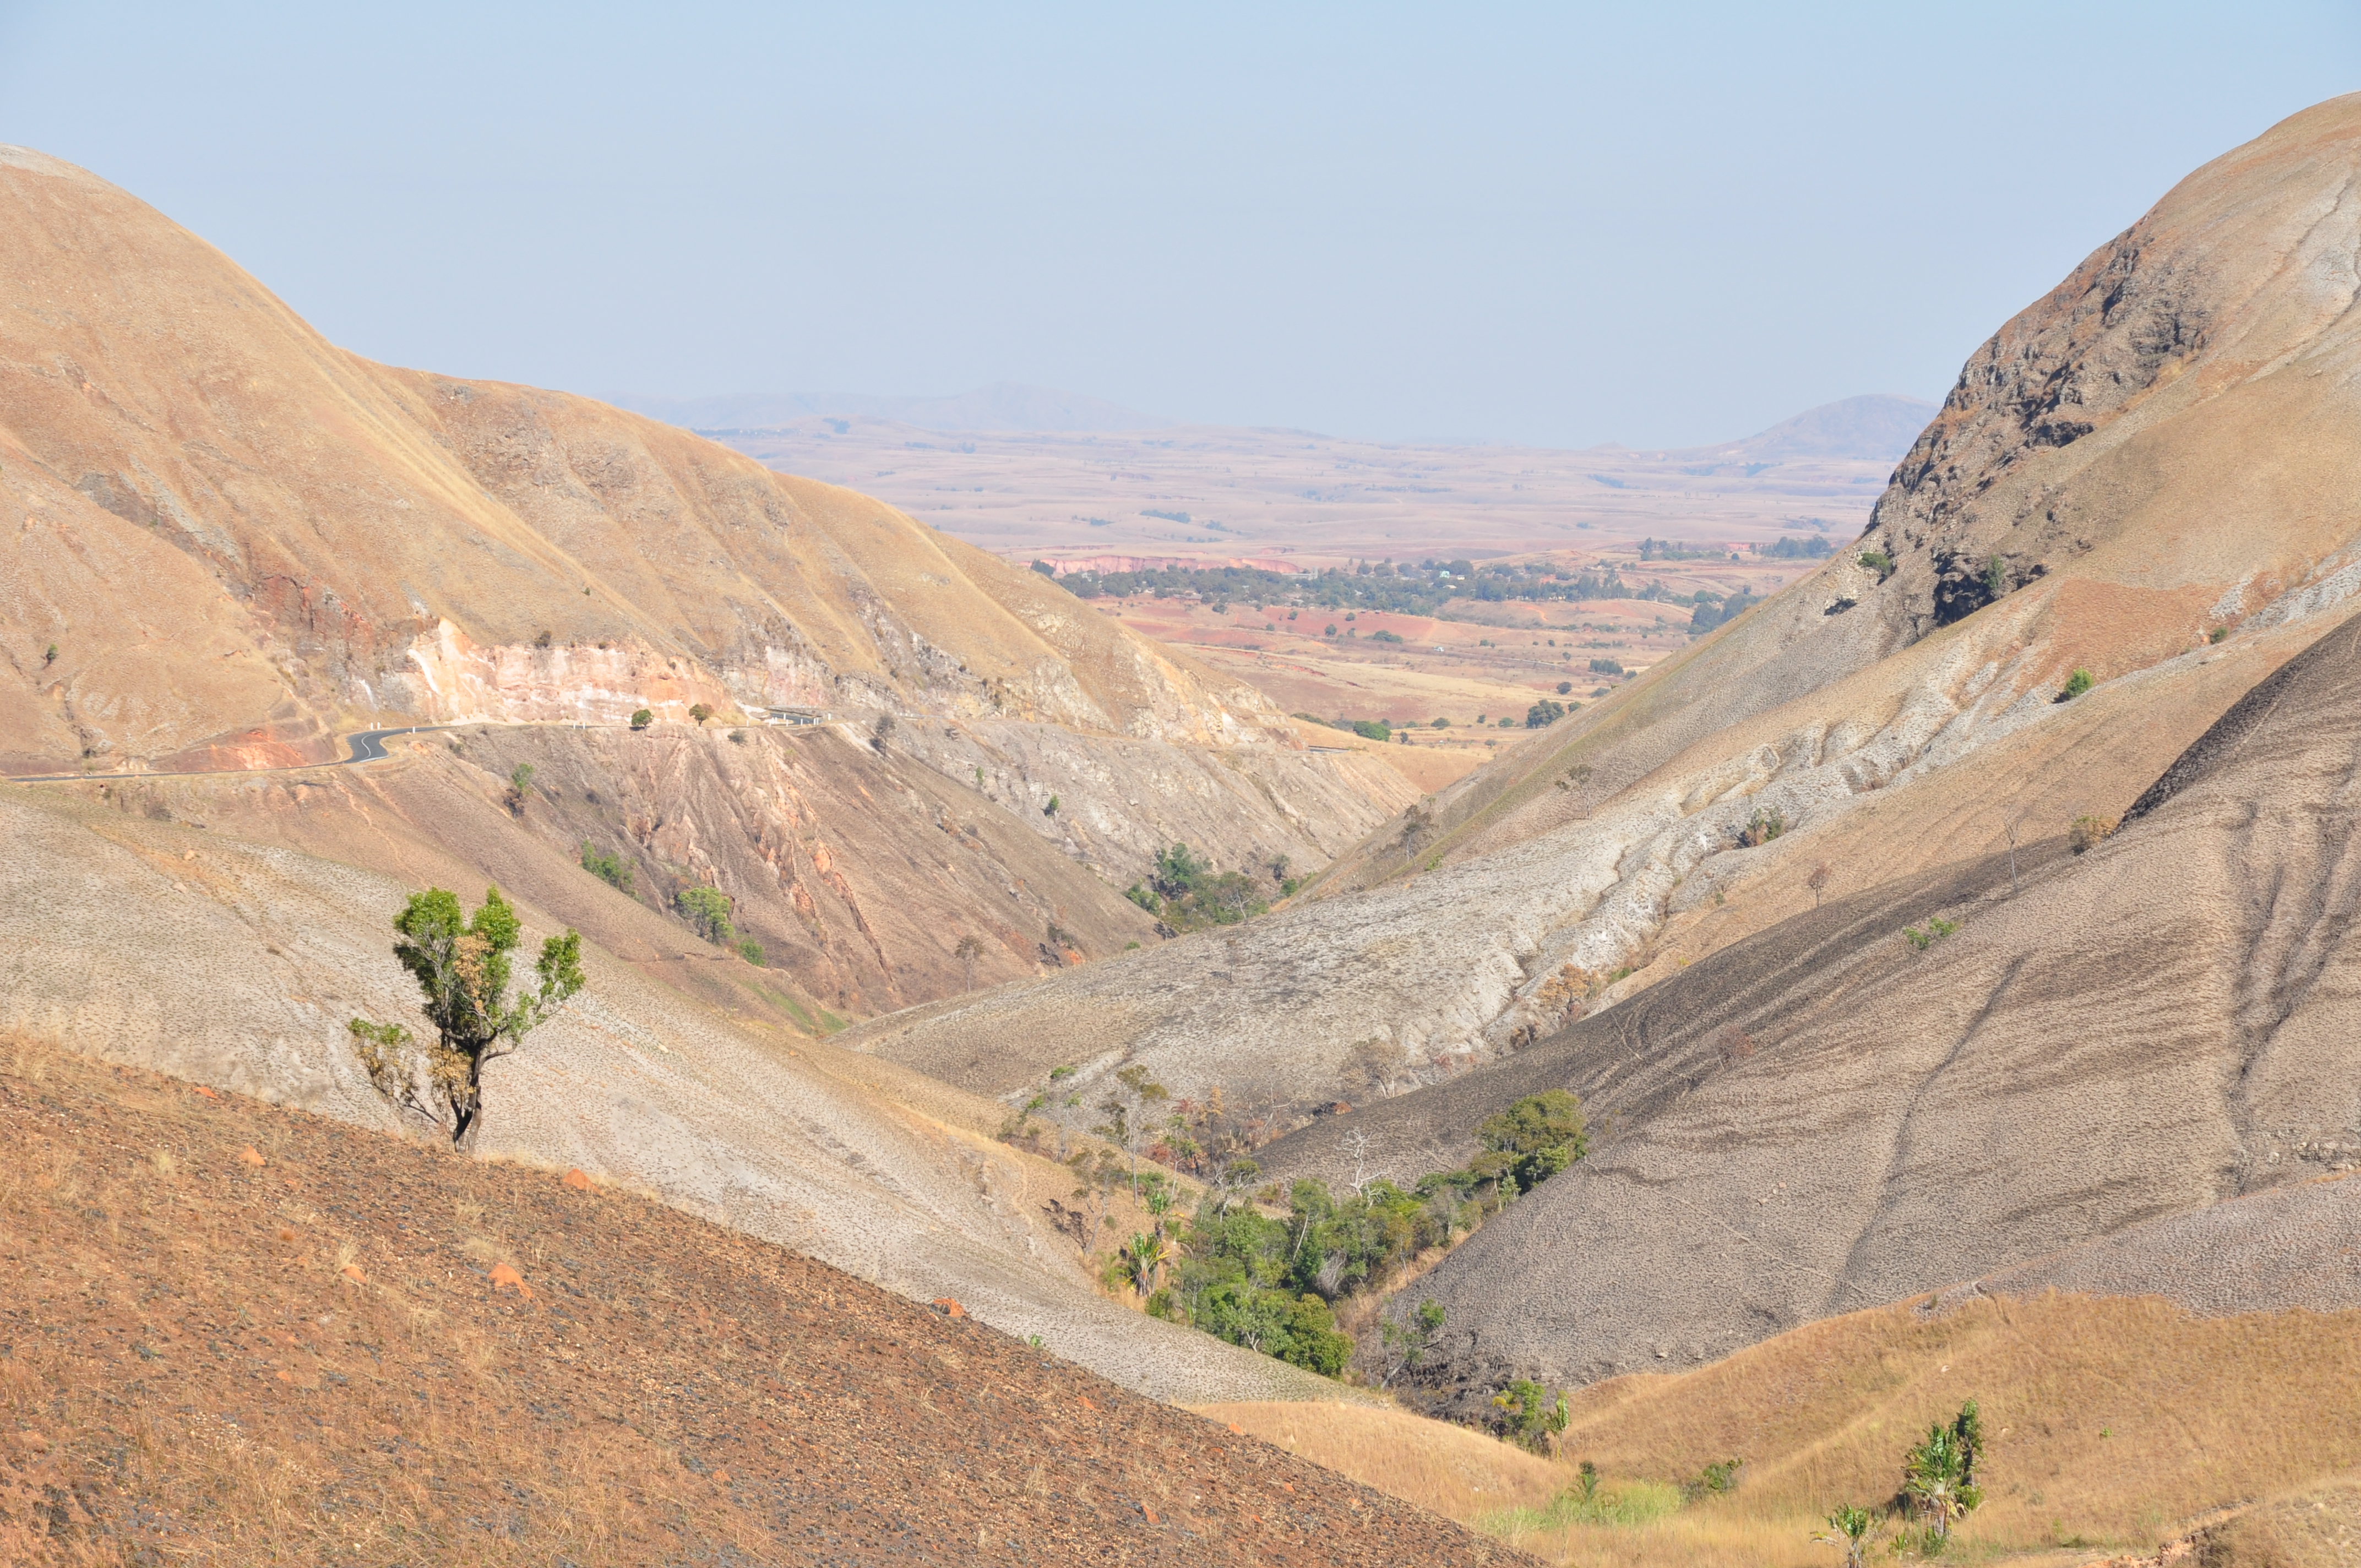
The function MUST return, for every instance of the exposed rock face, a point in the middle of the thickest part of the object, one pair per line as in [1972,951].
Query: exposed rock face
[2187,368]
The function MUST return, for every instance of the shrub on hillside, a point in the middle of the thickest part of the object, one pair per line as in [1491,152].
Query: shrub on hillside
[612,869]
[1544,713]
[1190,896]
[1717,1477]
[707,909]
[641,718]
[2085,833]
[1936,929]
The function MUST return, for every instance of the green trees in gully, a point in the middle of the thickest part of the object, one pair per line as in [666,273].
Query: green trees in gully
[1268,1282]
[462,967]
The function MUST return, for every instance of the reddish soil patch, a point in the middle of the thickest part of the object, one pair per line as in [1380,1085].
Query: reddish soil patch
[360,1351]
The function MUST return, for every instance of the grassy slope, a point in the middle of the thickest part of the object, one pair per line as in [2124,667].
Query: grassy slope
[2117,1423]
[300,1353]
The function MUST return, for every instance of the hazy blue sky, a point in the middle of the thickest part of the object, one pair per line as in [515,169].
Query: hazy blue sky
[1566,225]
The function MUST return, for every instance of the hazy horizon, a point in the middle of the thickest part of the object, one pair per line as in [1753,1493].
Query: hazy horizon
[1557,227]
[733,410]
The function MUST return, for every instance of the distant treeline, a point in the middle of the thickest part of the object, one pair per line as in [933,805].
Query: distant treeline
[1425,589]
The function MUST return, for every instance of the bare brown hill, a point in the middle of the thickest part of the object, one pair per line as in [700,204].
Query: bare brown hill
[236,540]
[242,1334]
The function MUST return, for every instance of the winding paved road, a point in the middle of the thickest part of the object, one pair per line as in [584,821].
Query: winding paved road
[368,746]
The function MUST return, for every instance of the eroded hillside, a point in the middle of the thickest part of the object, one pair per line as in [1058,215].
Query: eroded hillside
[1869,723]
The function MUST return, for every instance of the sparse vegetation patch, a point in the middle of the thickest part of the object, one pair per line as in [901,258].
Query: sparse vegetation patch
[2086,832]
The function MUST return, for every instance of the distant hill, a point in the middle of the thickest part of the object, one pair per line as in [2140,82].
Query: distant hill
[1001,406]
[1878,428]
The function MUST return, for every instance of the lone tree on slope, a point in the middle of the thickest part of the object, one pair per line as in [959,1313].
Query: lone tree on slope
[462,967]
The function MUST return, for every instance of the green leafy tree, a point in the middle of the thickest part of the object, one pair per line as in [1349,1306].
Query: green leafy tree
[1544,713]
[612,869]
[2076,684]
[1528,1418]
[641,718]
[707,909]
[1538,1137]
[699,712]
[1189,894]
[462,967]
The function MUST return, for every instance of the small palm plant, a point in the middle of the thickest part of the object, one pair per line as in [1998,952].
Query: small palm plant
[1847,1531]
[1938,1476]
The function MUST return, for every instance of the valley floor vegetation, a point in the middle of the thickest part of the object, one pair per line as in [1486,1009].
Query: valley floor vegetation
[1187,894]
[1266,1269]
[1427,588]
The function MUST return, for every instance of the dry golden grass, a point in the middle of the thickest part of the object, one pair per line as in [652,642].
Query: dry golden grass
[1451,1470]
[2114,1425]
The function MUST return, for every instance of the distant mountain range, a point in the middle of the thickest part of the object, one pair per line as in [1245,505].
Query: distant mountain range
[1879,427]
